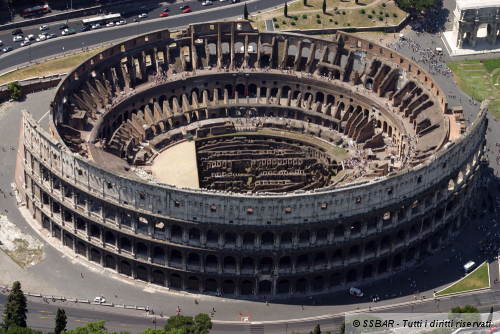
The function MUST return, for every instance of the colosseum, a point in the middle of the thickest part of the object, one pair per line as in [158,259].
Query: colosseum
[223,158]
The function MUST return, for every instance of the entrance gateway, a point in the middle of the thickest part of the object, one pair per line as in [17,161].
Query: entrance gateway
[475,19]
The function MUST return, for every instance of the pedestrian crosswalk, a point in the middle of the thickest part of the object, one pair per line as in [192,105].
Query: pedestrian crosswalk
[257,328]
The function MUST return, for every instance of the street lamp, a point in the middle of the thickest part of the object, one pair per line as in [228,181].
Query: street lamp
[412,307]
[154,321]
[138,21]
[473,88]
[29,52]
[286,326]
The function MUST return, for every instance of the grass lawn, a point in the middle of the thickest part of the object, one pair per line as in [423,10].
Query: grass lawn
[481,78]
[348,17]
[318,4]
[475,280]
[61,65]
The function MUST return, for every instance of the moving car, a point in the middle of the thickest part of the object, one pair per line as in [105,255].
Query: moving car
[52,35]
[223,0]
[206,3]
[63,26]
[166,9]
[41,38]
[29,38]
[164,14]
[356,292]
[96,26]
[122,22]
[44,27]
[143,16]
[17,32]
[235,1]
[85,28]
[184,7]
[1,43]
[187,10]
[25,43]
[18,38]
[7,49]
[110,24]
[99,300]
[67,32]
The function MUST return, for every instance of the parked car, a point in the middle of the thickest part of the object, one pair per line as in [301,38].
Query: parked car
[166,9]
[44,27]
[29,38]
[63,26]
[41,38]
[67,32]
[143,16]
[136,19]
[235,1]
[164,14]
[25,43]
[96,26]
[18,38]
[85,28]
[1,43]
[206,3]
[122,22]
[110,24]
[222,0]
[17,32]
[99,300]
[187,10]
[8,49]
[52,35]
[184,7]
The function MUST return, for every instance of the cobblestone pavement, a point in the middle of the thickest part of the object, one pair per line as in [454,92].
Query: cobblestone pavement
[60,273]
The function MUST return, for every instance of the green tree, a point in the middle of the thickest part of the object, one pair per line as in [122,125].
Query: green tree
[203,324]
[15,90]
[414,5]
[285,10]
[324,6]
[89,328]
[20,330]
[180,321]
[245,12]
[60,321]
[342,328]
[15,309]
[466,313]
[317,329]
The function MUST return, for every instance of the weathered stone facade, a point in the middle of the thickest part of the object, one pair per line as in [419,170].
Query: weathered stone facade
[249,243]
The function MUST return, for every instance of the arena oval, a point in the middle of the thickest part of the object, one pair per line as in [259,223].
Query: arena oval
[313,239]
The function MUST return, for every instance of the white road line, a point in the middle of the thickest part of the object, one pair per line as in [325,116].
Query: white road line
[43,116]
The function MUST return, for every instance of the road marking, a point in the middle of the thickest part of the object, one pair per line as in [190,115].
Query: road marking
[125,325]
[45,311]
[41,120]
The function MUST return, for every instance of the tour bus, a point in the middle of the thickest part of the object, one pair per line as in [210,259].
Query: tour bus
[102,20]
[356,292]
[469,266]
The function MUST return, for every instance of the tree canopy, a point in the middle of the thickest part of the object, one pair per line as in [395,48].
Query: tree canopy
[15,309]
[415,5]
[15,90]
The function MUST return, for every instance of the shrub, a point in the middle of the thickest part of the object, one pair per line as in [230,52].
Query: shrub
[275,19]
[317,16]
[335,9]
[381,18]
[362,11]
[348,24]
[15,90]
[276,25]
[383,4]
[343,12]
[395,15]
[284,22]
[336,22]
[381,13]
[370,16]
[292,23]
[373,11]
[331,20]
[295,17]
[386,14]
[304,16]
[318,21]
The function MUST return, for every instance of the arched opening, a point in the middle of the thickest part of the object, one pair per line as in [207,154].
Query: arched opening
[304,238]
[109,238]
[397,261]
[175,256]
[252,90]
[175,281]
[285,263]
[303,262]
[301,285]
[193,260]
[110,262]
[246,288]
[283,286]
[318,283]
[229,89]
[248,239]
[142,274]
[212,237]
[335,279]
[193,283]
[228,286]
[158,277]
[194,235]
[230,239]
[126,268]
[211,285]
[368,271]
[337,257]
[286,239]
[382,266]
[158,253]
[267,239]
[320,260]
[125,245]
[352,276]
[142,249]
[229,263]
[354,253]
[266,265]
[176,233]
[265,287]
[211,262]
[95,256]
[322,236]
[240,90]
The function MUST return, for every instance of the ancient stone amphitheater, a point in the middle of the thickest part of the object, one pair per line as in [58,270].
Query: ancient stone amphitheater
[222,158]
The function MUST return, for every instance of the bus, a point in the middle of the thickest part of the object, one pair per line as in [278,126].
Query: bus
[36,10]
[102,20]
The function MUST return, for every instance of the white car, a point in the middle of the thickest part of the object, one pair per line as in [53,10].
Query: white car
[1,43]
[206,3]
[223,0]
[25,43]
[143,16]
[18,38]
[51,36]
[96,26]
[122,22]
[41,38]
[29,38]
[110,24]
[44,27]
[99,300]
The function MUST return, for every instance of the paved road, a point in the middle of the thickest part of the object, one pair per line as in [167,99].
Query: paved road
[218,11]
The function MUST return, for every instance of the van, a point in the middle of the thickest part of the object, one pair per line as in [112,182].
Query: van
[469,266]
[356,292]
[68,32]
[439,51]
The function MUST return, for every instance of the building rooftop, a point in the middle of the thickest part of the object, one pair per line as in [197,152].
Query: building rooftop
[469,4]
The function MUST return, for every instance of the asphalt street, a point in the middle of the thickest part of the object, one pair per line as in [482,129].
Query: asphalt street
[38,50]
